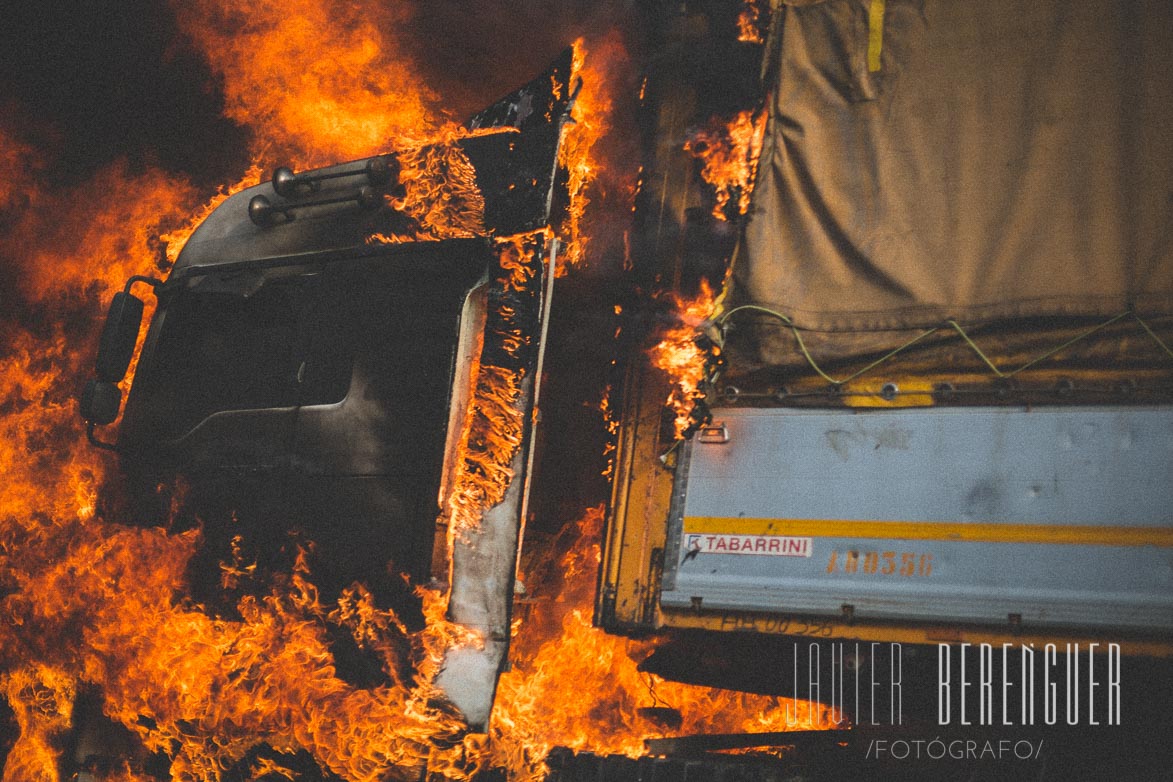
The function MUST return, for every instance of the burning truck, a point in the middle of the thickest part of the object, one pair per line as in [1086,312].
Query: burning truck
[314,364]
[932,406]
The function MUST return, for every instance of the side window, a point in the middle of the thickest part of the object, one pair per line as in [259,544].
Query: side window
[304,337]
[222,351]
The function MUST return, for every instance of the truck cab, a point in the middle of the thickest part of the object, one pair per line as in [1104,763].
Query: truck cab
[316,358]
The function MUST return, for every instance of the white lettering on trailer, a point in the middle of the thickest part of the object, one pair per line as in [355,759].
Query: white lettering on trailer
[760,545]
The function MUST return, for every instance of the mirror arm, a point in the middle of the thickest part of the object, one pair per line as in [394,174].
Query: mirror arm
[94,441]
[154,282]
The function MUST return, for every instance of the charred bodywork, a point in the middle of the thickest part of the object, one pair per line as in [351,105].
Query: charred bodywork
[306,377]
[309,394]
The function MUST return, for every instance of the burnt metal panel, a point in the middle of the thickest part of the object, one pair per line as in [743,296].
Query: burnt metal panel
[516,173]
[538,103]
[516,170]
[484,556]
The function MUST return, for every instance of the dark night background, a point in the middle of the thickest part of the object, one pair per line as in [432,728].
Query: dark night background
[88,83]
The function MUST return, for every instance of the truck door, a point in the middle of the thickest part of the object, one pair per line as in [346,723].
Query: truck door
[376,364]
[214,402]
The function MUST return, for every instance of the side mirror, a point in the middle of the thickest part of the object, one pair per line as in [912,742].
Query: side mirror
[100,402]
[119,335]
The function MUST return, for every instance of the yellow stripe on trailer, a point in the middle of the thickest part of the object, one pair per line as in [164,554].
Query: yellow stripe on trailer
[1068,534]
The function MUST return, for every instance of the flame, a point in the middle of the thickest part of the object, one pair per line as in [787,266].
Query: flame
[80,611]
[322,80]
[89,605]
[491,437]
[729,151]
[590,174]
[270,677]
[19,163]
[67,247]
[494,424]
[202,690]
[42,698]
[749,23]
[539,708]
[678,354]
[205,691]
[576,156]
[611,425]
[69,257]
[440,194]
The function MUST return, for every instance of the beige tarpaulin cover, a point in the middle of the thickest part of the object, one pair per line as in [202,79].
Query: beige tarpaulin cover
[996,159]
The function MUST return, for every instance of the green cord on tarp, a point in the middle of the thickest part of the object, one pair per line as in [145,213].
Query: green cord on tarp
[720,321]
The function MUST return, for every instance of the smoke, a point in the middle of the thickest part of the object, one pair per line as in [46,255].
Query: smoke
[475,52]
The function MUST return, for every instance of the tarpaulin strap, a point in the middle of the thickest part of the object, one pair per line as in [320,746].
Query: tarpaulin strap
[951,324]
[1048,354]
[875,34]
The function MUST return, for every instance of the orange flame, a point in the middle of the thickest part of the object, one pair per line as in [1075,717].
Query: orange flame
[318,82]
[323,80]
[440,193]
[42,698]
[227,685]
[539,708]
[81,611]
[19,163]
[583,157]
[611,425]
[206,691]
[749,23]
[730,151]
[493,424]
[70,246]
[678,355]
